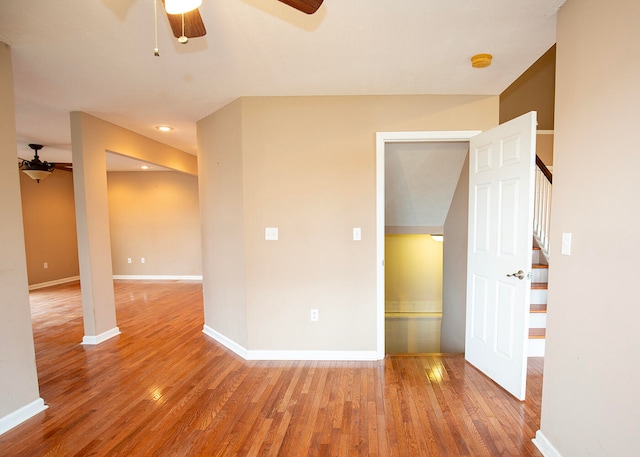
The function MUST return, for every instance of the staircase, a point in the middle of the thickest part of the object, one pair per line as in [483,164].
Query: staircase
[538,308]
[540,260]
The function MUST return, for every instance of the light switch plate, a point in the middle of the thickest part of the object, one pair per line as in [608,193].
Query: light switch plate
[566,244]
[271,233]
[357,234]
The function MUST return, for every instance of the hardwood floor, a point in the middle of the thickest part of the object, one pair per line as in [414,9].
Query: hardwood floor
[163,388]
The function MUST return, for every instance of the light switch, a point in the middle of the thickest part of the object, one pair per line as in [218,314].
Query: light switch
[271,233]
[566,244]
[357,234]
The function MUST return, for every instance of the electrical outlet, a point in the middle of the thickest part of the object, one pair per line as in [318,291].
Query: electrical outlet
[314,315]
[141,259]
[46,265]
[128,259]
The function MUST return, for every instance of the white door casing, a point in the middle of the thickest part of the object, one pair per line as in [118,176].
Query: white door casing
[501,192]
[382,139]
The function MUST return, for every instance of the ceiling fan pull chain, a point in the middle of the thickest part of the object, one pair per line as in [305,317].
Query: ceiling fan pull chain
[183,38]
[156,51]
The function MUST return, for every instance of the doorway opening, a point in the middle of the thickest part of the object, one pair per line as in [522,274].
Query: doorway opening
[414,191]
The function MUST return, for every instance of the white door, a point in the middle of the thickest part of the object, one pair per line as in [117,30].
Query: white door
[501,186]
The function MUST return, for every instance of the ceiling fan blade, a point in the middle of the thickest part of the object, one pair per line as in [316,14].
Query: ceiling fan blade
[193,24]
[306,6]
[66,166]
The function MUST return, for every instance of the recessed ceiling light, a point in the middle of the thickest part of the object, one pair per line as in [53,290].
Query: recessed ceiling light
[145,167]
[164,128]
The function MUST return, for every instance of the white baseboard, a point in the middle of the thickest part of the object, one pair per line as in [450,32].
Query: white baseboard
[338,356]
[160,277]
[226,342]
[289,355]
[17,417]
[545,446]
[104,336]
[53,283]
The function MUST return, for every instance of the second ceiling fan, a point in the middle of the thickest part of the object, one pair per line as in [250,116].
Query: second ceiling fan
[189,24]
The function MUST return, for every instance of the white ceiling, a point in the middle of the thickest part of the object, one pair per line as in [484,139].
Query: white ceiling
[420,180]
[97,56]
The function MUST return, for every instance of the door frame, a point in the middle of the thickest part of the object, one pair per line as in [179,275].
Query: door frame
[382,138]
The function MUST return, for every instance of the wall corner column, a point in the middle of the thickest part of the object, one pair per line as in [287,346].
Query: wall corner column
[19,393]
[92,224]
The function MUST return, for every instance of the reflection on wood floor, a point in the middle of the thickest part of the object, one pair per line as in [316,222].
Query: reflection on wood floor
[163,388]
[412,333]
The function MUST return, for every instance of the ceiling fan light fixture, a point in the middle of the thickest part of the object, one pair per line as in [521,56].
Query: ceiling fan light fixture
[181,6]
[37,175]
[36,169]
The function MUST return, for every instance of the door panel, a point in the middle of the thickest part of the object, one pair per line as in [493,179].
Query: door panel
[501,187]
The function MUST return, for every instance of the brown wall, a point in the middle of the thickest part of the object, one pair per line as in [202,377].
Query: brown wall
[590,399]
[155,216]
[534,90]
[307,166]
[50,228]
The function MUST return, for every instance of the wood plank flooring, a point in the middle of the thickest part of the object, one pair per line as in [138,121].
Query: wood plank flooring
[163,388]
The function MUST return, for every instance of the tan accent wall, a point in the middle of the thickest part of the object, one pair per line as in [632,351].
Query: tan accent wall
[50,228]
[155,216]
[18,376]
[305,165]
[454,288]
[534,90]
[590,399]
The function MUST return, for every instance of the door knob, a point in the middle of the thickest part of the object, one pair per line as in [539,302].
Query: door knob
[519,274]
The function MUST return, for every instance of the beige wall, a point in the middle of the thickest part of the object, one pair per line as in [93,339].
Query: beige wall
[155,216]
[222,222]
[49,228]
[18,376]
[454,288]
[413,274]
[307,166]
[590,404]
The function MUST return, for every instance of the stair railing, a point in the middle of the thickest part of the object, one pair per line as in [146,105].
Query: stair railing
[542,207]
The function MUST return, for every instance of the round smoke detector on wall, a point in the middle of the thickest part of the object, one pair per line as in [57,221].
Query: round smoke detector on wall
[481,60]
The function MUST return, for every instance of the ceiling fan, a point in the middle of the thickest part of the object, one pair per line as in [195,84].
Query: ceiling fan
[38,170]
[186,21]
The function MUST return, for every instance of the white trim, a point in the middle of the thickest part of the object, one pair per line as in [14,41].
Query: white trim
[160,277]
[288,355]
[341,356]
[226,342]
[55,282]
[20,415]
[535,347]
[104,336]
[544,445]
[382,138]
